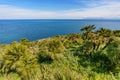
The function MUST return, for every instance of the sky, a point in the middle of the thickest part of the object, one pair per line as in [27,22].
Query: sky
[59,9]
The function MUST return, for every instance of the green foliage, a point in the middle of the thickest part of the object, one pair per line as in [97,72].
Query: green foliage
[92,55]
[25,42]
[116,33]
[19,60]
[113,53]
[50,50]
[88,29]
[45,56]
[105,32]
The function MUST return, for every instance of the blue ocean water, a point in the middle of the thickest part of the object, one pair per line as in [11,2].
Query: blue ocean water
[14,30]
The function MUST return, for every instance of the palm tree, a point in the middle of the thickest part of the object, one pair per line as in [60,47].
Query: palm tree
[87,30]
[104,32]
[101,31]
[116,33]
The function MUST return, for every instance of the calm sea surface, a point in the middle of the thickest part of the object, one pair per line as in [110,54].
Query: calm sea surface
[14,30]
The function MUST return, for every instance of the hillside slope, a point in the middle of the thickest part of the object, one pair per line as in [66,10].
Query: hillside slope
[91,55]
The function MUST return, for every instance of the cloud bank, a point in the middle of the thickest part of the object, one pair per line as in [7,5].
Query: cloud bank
[105,9]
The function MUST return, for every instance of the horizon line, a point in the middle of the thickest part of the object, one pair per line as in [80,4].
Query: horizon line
[59,19]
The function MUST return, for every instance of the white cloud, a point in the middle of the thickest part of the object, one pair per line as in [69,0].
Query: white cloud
[110,10]
[93,3]
[107,9]
[10,12]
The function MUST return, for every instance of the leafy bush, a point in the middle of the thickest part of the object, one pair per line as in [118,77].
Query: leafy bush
[91,55]
[19,60]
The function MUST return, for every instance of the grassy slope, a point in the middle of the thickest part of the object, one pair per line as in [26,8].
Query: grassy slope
[56,58]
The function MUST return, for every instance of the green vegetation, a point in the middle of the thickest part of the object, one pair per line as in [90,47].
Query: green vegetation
[91,55]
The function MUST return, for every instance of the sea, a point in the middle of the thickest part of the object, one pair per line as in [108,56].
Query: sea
[32,29]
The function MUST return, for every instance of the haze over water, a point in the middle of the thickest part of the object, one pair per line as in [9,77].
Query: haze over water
[14,30]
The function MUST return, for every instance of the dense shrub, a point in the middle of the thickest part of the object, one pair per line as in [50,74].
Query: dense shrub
[91,55]
[19,60]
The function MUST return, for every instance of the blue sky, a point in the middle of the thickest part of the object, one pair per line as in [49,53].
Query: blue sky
[59,9]
[54,5]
